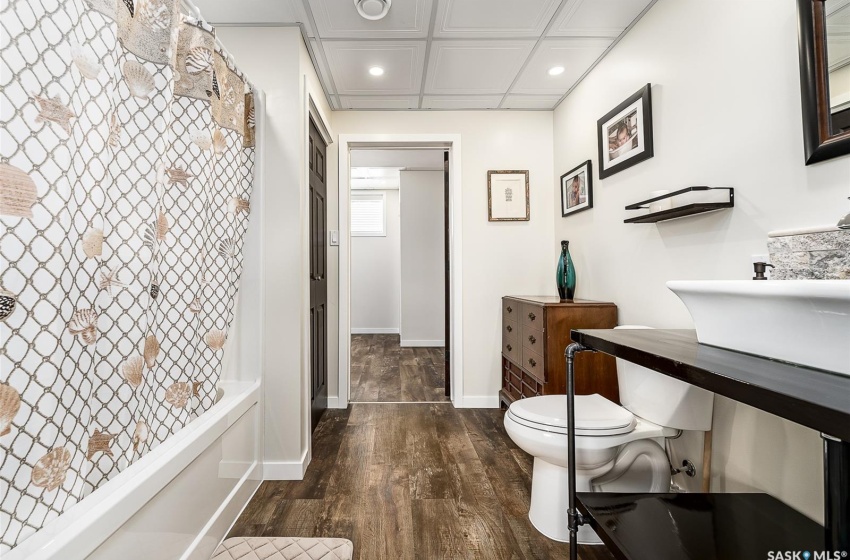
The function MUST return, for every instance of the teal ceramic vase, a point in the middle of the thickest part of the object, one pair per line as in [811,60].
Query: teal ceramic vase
[566,275]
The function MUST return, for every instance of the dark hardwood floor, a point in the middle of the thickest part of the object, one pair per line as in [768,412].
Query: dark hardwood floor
[383,371]
[410,481]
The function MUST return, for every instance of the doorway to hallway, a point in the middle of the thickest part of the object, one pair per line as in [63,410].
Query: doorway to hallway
[399,265]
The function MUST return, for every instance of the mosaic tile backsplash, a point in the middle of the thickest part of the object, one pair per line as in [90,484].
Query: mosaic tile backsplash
[811,256]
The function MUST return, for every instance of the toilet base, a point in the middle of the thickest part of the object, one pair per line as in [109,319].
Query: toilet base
[548,512]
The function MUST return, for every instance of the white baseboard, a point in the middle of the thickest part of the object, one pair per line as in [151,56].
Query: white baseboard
[333,402]
[286,470]
[484,401]
[423,343]
[373,330]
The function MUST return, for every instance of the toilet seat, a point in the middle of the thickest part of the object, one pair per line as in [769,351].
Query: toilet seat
[595,415]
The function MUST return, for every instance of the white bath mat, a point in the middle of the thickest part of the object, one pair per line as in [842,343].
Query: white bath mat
[284,548]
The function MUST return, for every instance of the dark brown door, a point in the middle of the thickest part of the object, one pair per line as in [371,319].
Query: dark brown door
[318,278]
[448,270]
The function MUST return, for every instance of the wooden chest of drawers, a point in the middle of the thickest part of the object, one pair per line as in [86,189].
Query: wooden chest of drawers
[535,333]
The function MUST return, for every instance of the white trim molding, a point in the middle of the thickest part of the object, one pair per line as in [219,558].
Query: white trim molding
[286,470]
[374,330]
[422,343]
[452,143]
[481,401]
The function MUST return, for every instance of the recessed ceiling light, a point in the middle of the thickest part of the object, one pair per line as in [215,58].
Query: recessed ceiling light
[376,71]
[373,9]
[556,70]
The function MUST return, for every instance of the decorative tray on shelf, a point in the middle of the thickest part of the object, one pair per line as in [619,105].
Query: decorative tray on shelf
[688,209]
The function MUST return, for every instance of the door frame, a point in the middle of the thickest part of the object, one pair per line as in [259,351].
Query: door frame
[452,143]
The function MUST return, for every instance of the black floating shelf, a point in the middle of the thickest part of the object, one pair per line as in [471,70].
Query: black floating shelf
[679,211]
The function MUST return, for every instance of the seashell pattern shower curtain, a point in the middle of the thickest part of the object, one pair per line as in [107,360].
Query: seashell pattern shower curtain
[126,168]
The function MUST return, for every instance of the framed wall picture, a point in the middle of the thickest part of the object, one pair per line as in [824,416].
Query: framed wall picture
[625,134]
[577,189]
[507,196]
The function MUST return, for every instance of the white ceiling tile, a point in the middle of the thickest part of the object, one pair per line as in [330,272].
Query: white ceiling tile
[461,102]
[576,55]
[380,102]
[531,101]
[338,19]
[475,67]
[269,12]
[493,18]
[597,18]
[402,61]
[322,70]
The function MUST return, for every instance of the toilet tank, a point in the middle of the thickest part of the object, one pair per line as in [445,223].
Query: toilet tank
[661,399]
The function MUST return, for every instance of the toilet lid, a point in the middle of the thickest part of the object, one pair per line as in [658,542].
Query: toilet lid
[595,415]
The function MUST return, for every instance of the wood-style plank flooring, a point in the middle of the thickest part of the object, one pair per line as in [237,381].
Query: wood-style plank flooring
[410,481]
[383,371]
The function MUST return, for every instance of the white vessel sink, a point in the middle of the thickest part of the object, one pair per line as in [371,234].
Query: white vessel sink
[800,321]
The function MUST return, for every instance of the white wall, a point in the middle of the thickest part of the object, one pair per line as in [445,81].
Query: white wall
[287,77]
[423,289]
[491,140]
[376,274]
[726,111]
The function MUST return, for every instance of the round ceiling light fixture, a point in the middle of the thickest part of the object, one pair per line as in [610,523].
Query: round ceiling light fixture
[376,71]
[556,70]
[373,9]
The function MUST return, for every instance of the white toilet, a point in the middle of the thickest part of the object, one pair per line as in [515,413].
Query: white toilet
[618,448]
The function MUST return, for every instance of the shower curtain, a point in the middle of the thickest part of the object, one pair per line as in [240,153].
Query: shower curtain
[126,168]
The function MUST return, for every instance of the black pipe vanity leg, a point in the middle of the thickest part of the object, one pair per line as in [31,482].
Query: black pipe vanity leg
[836,479]
[574,519]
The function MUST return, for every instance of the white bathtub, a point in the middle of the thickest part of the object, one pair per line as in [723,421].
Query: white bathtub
[178,501]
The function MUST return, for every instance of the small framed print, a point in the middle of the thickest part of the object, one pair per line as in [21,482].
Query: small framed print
[507,196]
[625,134]
[577,189]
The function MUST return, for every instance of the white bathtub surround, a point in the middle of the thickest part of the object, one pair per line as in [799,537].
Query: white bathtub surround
[178,501]
[810,254]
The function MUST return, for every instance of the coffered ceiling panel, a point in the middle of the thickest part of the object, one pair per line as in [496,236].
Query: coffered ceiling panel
[269,12]
[475,67]
[350,61]
[451,54]
[338,19]
[596,18]
[530,101]
[493,19]
[575,56]
[370,102]
[461,101]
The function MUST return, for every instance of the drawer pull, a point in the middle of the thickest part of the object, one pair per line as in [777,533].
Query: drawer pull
[531,339]
[510,328]
[531,362]
[509,348]
[532,316]
[509,309]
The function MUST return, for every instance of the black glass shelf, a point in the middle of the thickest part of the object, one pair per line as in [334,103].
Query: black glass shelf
[698,526]
[679,211]
[814,398]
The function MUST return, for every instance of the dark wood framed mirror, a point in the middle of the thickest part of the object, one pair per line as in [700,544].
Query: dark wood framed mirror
[824,42]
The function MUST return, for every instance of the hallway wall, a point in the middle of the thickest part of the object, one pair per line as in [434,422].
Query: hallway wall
[376,274]
[726,111]
[423,288]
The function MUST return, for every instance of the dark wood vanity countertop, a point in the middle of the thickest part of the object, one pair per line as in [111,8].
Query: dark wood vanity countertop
[814,398]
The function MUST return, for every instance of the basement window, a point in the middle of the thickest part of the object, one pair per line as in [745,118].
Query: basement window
[368,215]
